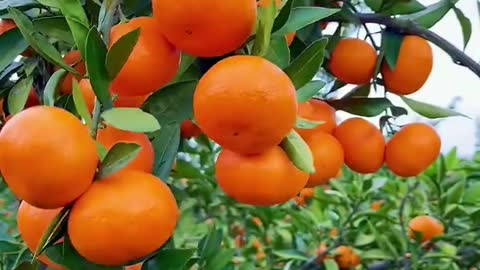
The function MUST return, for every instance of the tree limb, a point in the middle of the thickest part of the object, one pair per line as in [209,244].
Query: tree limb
[411,27]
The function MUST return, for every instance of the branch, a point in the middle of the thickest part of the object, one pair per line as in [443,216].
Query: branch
[413,28]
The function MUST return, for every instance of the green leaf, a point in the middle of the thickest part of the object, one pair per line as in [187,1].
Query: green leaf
[80,104]
[17,98]
[432,14]
[303,16]
[333,40]
[359,91]
[78,22]
[55,231]
[187,170]
[54,27]
[283,16]
[266,16]
[330,264]
[20,4]
[455,193]
[307,124]
[375,254]
[290,254]
[38,42]
[428,110]
[12,44]
[364,239]
[101,150]
[361,106]
[66,255]
[185,63]
[9,247]
[472,193]
[466,25]
[303,69]
[374,5]
[96,53]
[131,119]
[391,44]
[119,156]
[309,90]
[50,92]
[169,259]
[404,7]
[120,51]
[173,103]
[279,53]
[298,152]
[165,145]
[210,244]
[221,259]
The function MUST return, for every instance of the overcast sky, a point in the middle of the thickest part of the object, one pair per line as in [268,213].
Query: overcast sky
[449,80]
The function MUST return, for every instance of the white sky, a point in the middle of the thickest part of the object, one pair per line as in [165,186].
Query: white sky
[448,81]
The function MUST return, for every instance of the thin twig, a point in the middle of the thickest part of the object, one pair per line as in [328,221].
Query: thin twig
[403,204]
[413,28]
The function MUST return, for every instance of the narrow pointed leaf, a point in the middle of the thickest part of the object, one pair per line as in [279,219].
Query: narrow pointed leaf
[466,25]
[118,54]
[432,14]
[428,110]
[50,92]
[298,152]
[283,16]
[165,145]
[96,53]
[54,27]
[307,124]
[361,106]
[37,41]
[12,44]
[54,232]
[80,104]
[266,17]
[303,16]
[131,119]
[309,90]
[119,156]
[17,98]
[279,53]
[169,259]
[303,69]
[391,44]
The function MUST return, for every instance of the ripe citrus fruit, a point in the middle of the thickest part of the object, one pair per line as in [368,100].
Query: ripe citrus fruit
[72,58]
[327,156]
[32,223]
[377,205]
[317,110]
[32,99]
[87,93]
[353,61]
[428,227]
[109,136]
[363,145]
[206,28]
[265,179]
[58,151]
[7,25]
[188,129]
[137,266]
[413,68]
[412,149]
[130,101]
[307,193]
[242,111]
[152,63]
[122,218]
[346,257]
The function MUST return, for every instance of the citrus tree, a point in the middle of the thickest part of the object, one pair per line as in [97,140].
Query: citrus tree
[181,134]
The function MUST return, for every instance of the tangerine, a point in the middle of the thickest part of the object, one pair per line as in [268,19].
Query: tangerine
[109,136]
[7,25]
[88,94]
[427,226]
[98,219]
[153,62]
[412,149]
[137,266]
[327,156]
[353,61]
[32,99]
[131,101]
[307,193]
[74,59]
[188,129]
[414,65]
[58,150]
[32,224]
[346,257]
[264,179]
[317,110]
[242,111]
[206,28]
[363,145]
